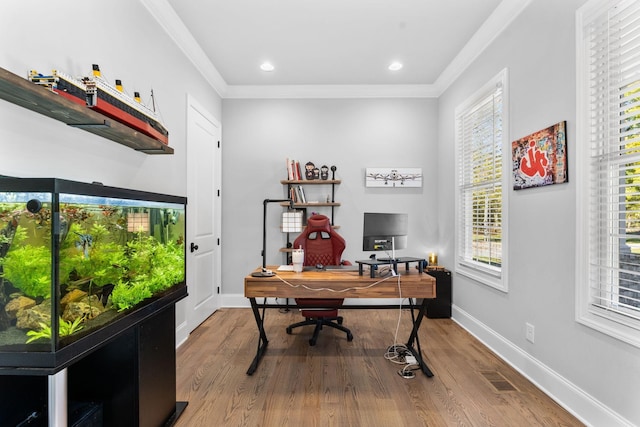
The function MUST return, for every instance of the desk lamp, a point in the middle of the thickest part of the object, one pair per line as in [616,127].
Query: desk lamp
[264,272]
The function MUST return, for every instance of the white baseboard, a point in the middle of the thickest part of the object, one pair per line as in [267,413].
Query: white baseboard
[181,334]
[234,301]
[575,400]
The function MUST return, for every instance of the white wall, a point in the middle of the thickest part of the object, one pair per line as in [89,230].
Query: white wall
[128,44]
[583,368]
[258,135]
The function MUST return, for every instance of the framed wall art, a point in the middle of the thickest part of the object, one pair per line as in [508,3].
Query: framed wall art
[393,177]
[540,159]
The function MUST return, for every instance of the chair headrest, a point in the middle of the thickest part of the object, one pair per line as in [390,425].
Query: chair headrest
[319,223]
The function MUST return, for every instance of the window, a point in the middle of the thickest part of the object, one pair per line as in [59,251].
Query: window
[481,138]
[608,168]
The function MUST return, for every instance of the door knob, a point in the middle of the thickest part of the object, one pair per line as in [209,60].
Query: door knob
[194,247]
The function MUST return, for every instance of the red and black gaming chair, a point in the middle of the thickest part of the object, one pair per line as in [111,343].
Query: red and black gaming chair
[322,246]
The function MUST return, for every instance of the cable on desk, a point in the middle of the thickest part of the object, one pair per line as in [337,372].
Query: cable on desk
[338,290]
[385,271]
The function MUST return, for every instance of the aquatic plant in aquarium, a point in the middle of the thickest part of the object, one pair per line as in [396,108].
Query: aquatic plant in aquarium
[80,256]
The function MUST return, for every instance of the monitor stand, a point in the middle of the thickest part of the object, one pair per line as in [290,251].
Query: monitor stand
[373,263]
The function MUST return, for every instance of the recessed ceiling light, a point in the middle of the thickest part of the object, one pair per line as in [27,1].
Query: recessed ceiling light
[267,66]
[395,66]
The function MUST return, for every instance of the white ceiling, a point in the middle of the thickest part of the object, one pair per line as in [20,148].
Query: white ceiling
[336,43]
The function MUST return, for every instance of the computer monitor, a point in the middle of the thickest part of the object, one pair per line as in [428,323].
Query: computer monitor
[385,231]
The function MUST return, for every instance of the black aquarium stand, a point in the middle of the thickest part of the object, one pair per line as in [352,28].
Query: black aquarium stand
[127,380]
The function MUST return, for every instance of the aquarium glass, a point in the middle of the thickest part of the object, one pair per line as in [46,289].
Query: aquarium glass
[71,264]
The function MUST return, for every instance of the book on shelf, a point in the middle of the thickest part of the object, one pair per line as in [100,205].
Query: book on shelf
[289,170]
[294,173]
[303,197]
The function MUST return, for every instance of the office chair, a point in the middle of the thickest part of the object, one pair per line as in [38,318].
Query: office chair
[322,246]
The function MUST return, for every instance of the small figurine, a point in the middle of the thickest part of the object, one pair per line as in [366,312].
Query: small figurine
[316,173]
[308,170]
[324,172]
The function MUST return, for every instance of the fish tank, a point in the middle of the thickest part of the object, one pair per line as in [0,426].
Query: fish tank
[81,262]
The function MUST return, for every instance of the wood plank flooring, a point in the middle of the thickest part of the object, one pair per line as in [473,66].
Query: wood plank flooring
[340,383]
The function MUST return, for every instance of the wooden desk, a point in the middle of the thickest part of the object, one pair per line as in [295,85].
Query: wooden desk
[340,284]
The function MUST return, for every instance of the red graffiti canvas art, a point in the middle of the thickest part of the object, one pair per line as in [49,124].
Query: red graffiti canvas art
[540,158]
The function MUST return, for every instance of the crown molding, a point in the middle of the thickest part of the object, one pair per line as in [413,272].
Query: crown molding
[168,19]
[497,22]
[500,19]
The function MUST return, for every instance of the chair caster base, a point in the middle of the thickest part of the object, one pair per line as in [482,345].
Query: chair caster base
[319,326]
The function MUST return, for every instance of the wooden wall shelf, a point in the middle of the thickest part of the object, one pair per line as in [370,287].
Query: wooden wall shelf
[24,93]
[310,181]
[310,205]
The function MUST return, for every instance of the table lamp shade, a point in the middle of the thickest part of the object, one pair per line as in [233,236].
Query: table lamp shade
[291,221]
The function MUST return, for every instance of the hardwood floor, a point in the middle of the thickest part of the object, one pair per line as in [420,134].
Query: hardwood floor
[340,383]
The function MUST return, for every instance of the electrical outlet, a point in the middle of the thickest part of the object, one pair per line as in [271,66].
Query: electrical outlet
[531,333]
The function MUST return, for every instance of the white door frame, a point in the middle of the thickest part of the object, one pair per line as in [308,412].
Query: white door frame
[191,313]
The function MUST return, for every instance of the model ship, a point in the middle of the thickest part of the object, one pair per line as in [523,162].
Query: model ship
[96,93]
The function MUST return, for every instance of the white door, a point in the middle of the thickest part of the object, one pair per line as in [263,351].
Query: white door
[203,215]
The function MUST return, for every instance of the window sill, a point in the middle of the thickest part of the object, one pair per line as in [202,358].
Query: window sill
[618,327]
[493,279]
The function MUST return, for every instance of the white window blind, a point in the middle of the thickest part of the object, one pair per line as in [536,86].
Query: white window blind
[480,213]
[611,79]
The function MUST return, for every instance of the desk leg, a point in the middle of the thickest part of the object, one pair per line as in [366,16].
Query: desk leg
[414,336]
[262,338]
